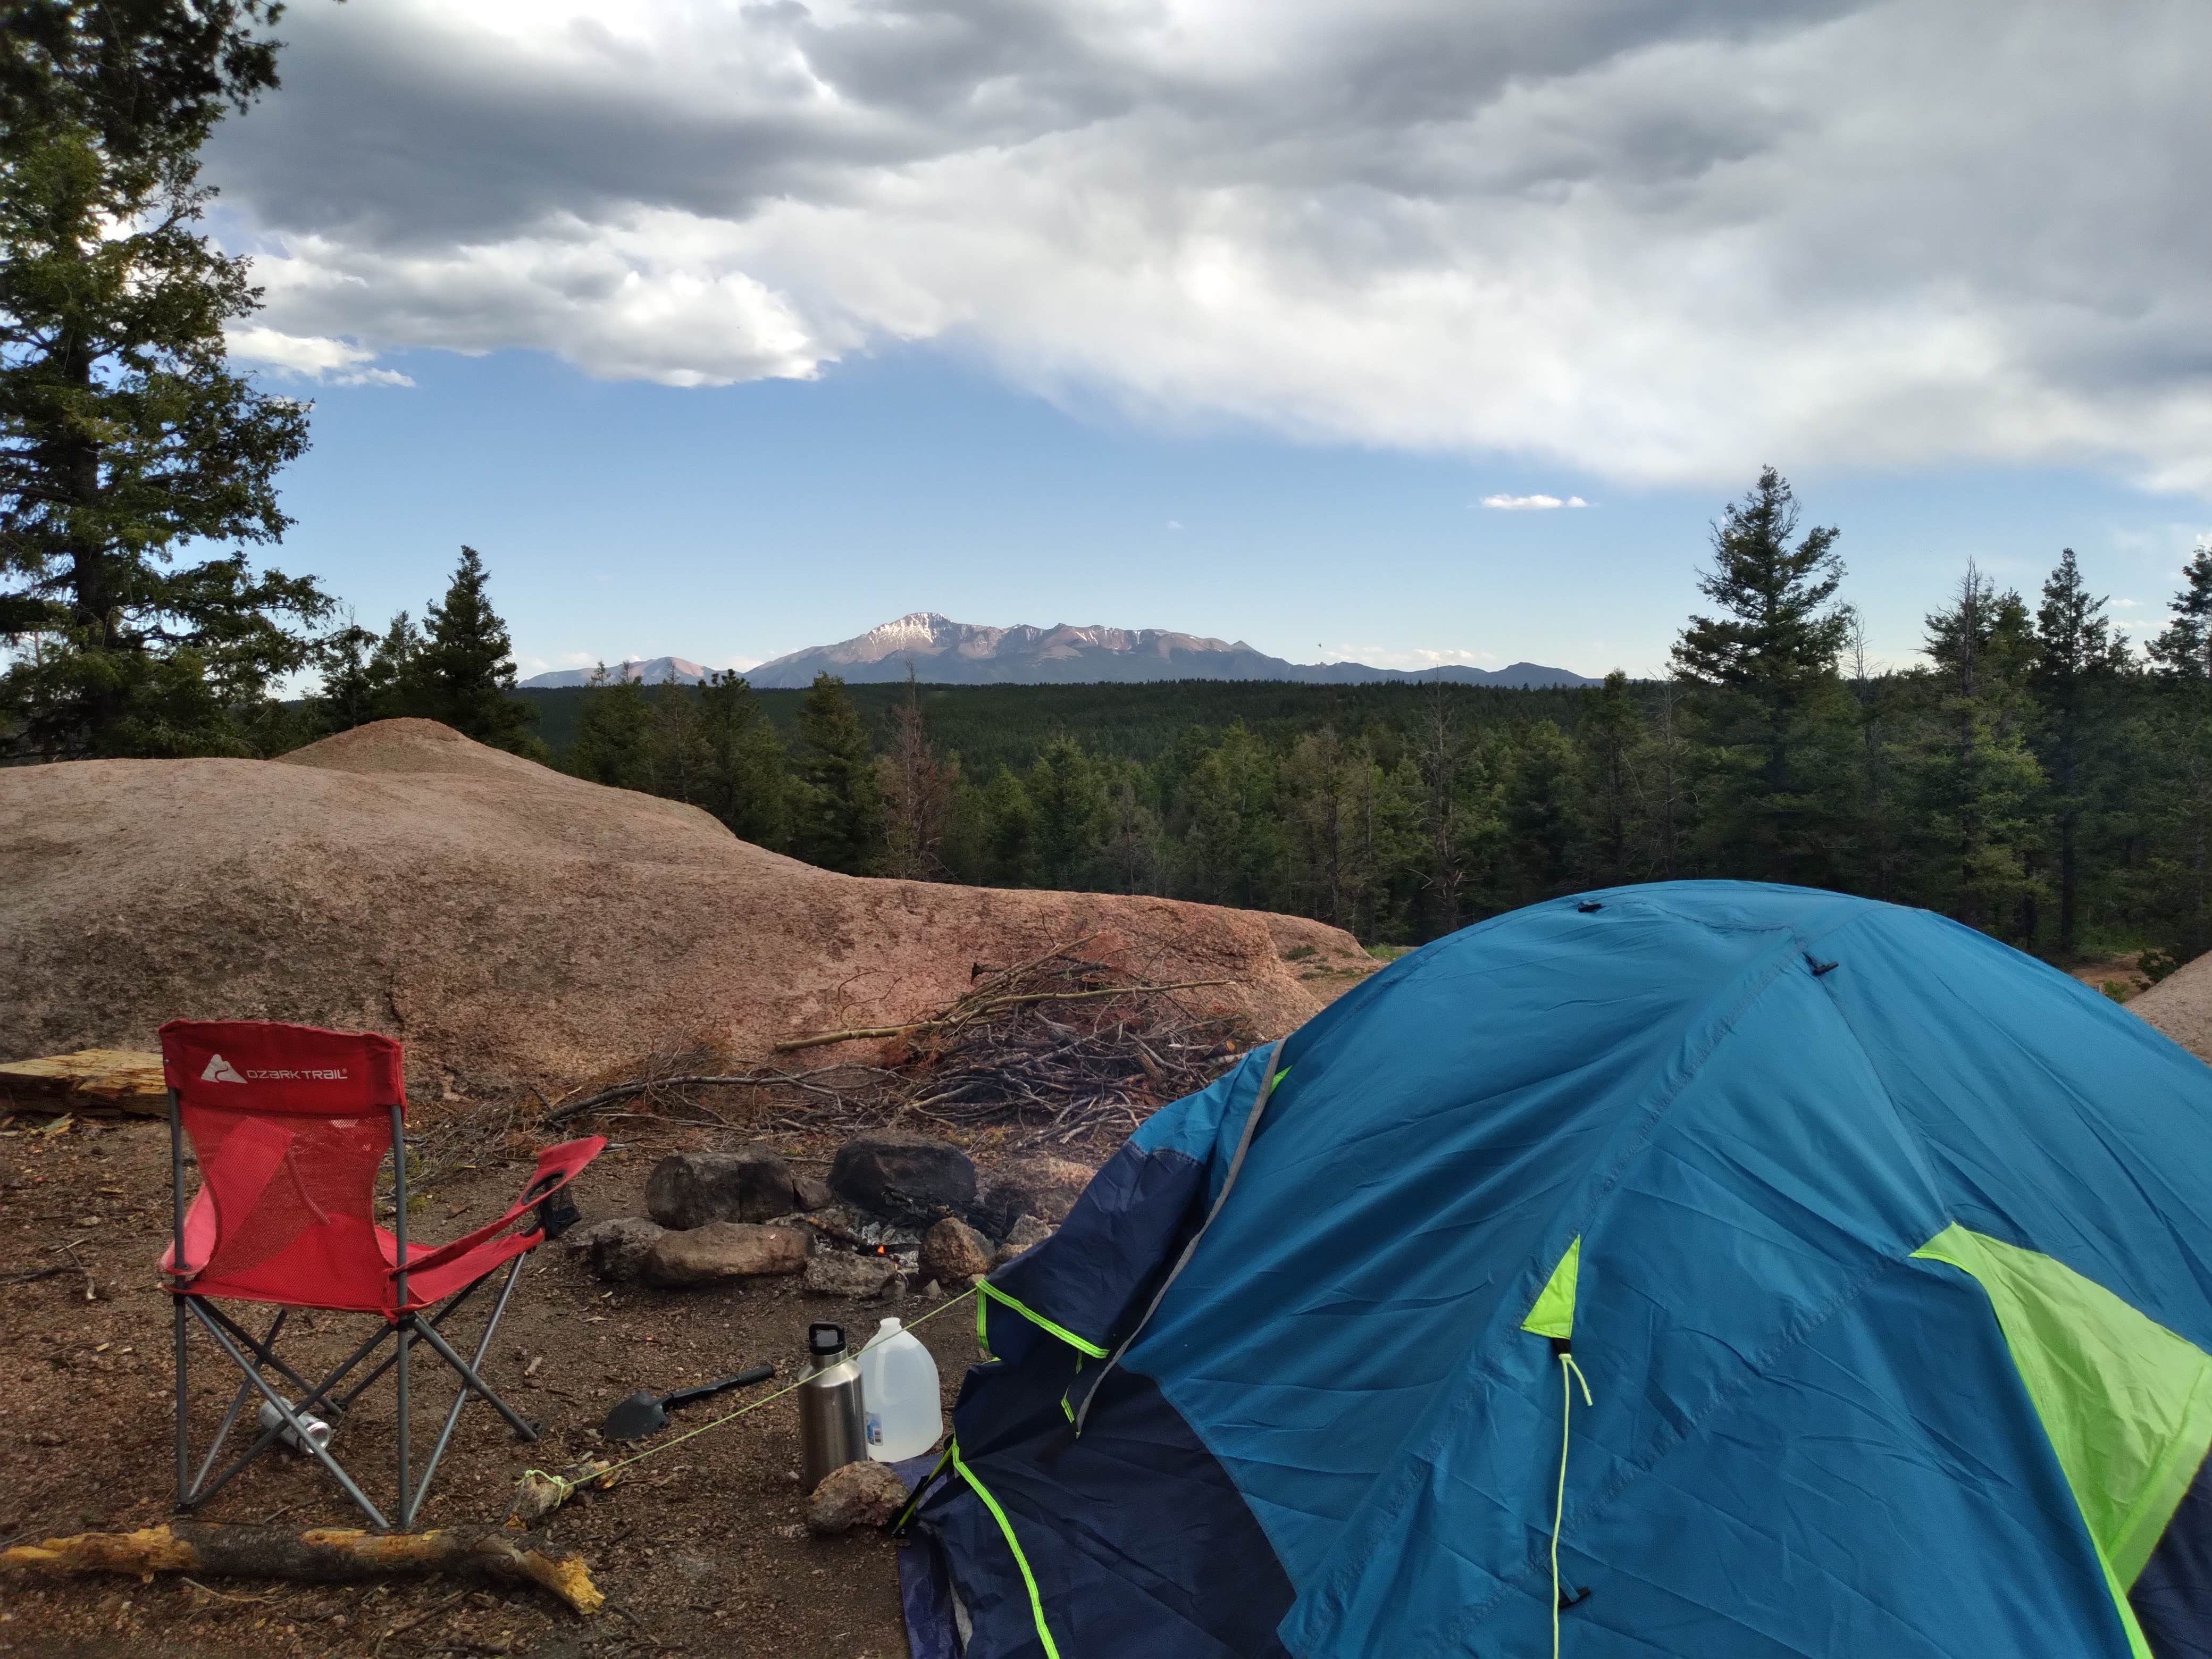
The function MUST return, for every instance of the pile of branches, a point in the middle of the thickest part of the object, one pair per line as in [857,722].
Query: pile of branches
[1061,1045]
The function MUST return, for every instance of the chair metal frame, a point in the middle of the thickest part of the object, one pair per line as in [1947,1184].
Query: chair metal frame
[252,1354]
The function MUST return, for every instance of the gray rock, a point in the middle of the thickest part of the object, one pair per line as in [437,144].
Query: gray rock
[863,1494]
[724,1250]
[909,1178]
[614,1250]
[1027,1230]
[690,1189]
[1045,1186]
[953,1251]
[842,1273]
[813,1193]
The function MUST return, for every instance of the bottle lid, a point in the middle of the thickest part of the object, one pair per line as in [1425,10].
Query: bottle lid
[890,1328]
[825,1339]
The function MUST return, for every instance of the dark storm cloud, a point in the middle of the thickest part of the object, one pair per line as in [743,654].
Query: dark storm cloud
[1652,238]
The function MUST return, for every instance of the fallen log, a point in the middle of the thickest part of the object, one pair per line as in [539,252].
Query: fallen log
[92,1080]
[321,1555]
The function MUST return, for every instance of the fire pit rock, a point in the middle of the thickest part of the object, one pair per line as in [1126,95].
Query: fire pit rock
[952,1252]
[722,1251]
[848,1274]
[690,1189]
[1027,1230]
[910,1178]
[864,1494]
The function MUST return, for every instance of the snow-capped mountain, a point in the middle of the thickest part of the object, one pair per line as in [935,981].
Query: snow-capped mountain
[652,671]
[944,651]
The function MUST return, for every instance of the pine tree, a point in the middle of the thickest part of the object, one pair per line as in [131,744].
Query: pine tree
[2183,650]
[1611,738]
[746,768]
[1977,781]
[1537,807]
[1068,792]
[840,815]
[463,673]
[918,789]
[2078,664]
[1873,809]
[1766,666]
[614,733]
[2184,799]
[123,435]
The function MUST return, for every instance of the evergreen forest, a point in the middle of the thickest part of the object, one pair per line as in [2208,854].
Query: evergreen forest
[2033,776]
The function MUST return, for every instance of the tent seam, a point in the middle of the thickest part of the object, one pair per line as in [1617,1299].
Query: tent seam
[1743,993]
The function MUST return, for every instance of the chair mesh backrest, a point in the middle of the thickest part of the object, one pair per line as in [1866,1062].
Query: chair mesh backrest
[289,1124]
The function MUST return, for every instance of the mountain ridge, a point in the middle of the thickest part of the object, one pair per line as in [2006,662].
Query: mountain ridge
[649,671]
[947,652]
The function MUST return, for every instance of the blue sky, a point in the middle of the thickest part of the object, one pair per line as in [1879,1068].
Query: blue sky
[724,329]
[730,523]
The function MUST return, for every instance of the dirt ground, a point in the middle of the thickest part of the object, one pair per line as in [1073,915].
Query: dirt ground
[699,1550]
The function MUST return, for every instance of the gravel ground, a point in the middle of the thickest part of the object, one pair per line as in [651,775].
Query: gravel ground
[701,1550]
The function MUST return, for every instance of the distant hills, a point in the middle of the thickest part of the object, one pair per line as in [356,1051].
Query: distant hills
[652,671]
[948,653]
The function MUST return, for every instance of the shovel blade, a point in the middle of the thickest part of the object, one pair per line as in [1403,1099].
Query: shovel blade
[634,1419]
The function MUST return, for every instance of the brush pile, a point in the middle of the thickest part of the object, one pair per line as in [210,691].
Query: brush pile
[1059,1046]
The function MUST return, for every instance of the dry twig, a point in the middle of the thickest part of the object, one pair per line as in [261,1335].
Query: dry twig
[1059,1045]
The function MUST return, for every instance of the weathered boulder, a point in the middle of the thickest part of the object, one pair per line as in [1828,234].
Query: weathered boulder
[1027,1230]
[1043,1187]
[952,1252]
[907,1177]
[615,1250]
[690,1189]
[843,1273]
[863,1494]
[724,1250]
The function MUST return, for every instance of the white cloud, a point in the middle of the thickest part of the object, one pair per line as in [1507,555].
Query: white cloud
[1175,524]
[312,356]
[1530,503]
[1667,241]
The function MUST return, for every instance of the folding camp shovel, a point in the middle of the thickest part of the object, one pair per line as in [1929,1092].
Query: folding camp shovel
[645,1413]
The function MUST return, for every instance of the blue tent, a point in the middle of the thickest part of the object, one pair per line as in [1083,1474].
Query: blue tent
[1883,1253]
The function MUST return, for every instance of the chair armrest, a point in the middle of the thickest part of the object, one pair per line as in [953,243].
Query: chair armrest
[556,1167]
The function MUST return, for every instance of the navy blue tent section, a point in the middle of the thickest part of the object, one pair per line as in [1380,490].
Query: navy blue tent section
[1886,1253]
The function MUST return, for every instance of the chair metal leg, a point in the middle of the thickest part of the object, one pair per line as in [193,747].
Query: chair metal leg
[202,1493]
[291,1419]
[522,1426]
[183,1411]
[258,1346]
[390,1359]
[461,1394]
[405,1332]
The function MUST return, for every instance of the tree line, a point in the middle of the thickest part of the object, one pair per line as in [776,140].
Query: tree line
[2034,778]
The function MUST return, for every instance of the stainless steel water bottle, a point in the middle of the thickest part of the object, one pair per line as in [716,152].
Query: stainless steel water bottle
[833,1426]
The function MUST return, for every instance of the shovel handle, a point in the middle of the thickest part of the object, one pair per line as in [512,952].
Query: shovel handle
[742,1380]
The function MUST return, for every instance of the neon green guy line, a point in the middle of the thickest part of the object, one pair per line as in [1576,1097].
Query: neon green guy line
[1079,1344]
[1029,1578]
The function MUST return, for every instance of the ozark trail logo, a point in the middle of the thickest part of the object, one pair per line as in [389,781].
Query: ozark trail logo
[219,1069]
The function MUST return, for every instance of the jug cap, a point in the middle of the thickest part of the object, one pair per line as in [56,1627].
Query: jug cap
[889,1327]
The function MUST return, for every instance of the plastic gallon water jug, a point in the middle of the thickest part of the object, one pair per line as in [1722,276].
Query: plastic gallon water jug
[898,1384]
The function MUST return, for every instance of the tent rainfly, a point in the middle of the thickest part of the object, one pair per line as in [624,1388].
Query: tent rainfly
[1701,1268]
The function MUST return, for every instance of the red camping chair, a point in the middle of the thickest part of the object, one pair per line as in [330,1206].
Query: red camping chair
[290,1125]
